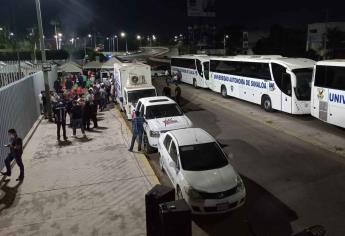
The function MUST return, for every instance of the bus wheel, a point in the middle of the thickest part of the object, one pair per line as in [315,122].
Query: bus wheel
[195,84]
[266,103]
[224,92]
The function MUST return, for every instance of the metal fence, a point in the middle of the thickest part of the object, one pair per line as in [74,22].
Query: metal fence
[20,106]
[11,71]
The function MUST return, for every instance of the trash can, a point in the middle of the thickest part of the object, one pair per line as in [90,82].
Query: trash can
[157,195]
[176,218]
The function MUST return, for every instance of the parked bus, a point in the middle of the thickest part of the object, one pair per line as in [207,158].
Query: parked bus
[328,92]
[192,69]
[274,82]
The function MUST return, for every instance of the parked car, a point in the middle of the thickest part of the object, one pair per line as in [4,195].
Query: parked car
[161,114]
[200,171]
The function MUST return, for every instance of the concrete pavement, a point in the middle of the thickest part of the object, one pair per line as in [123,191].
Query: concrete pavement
[90,186]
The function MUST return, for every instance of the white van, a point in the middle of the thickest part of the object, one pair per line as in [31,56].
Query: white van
[132,82]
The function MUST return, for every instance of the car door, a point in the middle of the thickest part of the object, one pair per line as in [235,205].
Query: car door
[165,151]
[172,164]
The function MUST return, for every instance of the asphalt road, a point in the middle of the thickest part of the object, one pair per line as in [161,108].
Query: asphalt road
[291,184]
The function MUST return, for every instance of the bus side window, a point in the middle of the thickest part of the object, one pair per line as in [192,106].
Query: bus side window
[278,71]
[286,84]
[206,70]
[199,67]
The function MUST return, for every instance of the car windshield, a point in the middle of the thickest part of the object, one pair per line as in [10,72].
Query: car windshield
[161,111]
[303,83]
[134,96]
[206,156]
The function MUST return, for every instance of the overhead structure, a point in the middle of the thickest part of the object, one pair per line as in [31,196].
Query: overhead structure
[70,67]
[93,65]
[109,65]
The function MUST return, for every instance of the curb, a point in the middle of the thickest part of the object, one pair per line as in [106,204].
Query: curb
[26,140]
[140,158]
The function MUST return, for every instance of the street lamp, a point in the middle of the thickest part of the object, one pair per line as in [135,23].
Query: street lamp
[90,37]
[226,37]
[139,39]
[117,43]
[123,35]
[44,59]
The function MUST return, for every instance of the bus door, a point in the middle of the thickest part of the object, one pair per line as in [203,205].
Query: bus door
[206,73]
[286,94]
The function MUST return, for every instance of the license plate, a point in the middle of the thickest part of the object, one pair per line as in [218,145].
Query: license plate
[222,207]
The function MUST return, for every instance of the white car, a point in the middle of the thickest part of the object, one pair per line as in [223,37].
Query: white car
[200,171]
[161,114]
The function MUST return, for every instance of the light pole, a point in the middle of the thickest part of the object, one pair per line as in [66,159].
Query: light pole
[90,37]
[139,39]
[60,40]
[117,43]
[109,40]
[44,59]
[123,35]
[226,37]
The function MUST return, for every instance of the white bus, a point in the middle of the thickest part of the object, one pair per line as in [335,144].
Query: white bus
[274,82]
[328,92]
[192,69]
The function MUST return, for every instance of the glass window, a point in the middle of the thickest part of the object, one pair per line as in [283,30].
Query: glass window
[286,84]
[303,83]
[330,77]
[247,69]
[199,67]
[207,70]
[183,62]
[335,77]
[134,96]
[173,152]
[199,157]
[161,111]
[167,141]
[320,76]
[278,72]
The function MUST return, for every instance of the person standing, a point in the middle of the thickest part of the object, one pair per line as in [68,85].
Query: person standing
[167,91]
[69,84]
[77,118]
[138,130]
[16,151]
[60,111]
[103,95]
[178,94]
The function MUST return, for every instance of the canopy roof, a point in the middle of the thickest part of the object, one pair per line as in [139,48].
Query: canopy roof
[110,63]
[93,65]
[70,67]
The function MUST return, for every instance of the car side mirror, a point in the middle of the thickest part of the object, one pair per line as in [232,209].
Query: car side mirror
[230,155]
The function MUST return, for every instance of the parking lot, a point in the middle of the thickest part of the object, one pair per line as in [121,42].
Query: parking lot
[291,183]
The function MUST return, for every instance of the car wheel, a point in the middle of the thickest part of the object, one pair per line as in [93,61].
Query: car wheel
[179,195]
[195,84]
[147,148]
[224,92]
[267,104]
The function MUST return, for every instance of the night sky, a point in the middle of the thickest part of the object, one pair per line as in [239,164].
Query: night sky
[160,16]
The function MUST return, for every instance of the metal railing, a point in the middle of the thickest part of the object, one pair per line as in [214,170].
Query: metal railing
[11,71]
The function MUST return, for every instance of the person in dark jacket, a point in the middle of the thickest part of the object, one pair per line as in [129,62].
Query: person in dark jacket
[178,94]
[167,91]
[69,84]
[77,118]
[16,151]
[60,112]
[87,115]
[138,130]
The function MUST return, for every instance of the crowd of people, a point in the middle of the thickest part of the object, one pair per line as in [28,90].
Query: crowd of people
[80,97]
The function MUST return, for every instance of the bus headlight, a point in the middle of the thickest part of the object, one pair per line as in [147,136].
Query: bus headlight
[154,134]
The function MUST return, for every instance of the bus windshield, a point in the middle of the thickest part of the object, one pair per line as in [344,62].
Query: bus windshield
[303,83]
[134,96]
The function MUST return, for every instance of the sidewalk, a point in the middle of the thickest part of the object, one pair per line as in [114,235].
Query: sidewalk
[87,187]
